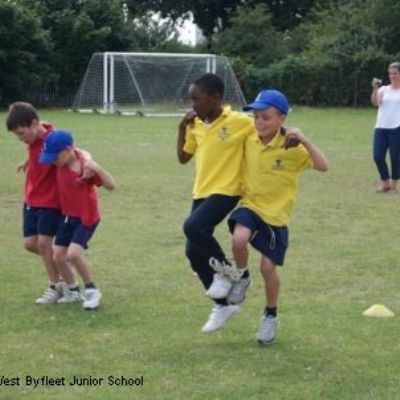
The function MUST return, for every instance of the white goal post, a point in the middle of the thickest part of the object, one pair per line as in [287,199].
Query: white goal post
[150,83]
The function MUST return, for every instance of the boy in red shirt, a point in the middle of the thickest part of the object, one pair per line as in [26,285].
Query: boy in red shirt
[41,212]
[77,176]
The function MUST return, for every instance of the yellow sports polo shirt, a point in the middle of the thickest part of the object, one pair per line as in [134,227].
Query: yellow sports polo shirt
[219,149]
[271,176]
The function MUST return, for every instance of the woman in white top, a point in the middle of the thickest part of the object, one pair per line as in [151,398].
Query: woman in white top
[387,128]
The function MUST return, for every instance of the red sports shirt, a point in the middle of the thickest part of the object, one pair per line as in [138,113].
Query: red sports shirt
[78,196]
[41,180]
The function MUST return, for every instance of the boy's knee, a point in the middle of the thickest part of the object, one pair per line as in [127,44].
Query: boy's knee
[31,245]
[267,268]
[239,241]
[74,255]
[189,228]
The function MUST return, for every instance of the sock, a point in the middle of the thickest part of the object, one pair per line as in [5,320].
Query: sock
[271,311]
[221,302]
[90,285]
[74,287]
[246,274]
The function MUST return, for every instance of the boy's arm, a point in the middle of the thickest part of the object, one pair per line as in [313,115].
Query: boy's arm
[91,168]
[318,157]
[188,119]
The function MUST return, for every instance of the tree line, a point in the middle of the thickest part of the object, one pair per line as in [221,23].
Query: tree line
[318,52]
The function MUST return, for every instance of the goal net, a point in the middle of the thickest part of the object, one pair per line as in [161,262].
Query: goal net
[150,83]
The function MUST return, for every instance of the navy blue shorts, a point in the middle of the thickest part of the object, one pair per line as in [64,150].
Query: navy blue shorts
[271,241]
[70,230]
[40,221]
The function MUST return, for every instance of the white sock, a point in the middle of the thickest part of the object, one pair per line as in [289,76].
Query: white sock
[73,285]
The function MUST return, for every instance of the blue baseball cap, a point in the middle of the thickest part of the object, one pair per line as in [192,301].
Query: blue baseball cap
[269,98]
[53,145]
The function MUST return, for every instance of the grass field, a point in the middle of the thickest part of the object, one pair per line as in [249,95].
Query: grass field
[342,259]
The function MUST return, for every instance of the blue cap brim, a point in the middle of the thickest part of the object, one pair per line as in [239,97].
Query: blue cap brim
[257,106]
[48,158]
[262,106]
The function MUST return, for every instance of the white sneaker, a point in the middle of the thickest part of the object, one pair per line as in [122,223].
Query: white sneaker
[268,329]
[49,296]
[61,288]
[238,291]
[220,287]
[70,296]
[92,299]
[219,316]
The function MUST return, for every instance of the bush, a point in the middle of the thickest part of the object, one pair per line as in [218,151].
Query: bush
[313,82]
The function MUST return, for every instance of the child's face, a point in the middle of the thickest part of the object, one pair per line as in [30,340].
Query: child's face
[268,121]
[28,134]
[203,103]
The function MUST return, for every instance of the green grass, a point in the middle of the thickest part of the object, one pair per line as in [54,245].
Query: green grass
[342,258]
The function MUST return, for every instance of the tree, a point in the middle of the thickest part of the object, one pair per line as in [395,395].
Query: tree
[286,14]
[24,51]
[212,16]
[79,28]
[340,31]
[76,29]
[149,33]
[343,45]
[386,14]
[252,37]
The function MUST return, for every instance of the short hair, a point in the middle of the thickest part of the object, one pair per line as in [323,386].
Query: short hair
[395,65]
[211,84]
[20,114]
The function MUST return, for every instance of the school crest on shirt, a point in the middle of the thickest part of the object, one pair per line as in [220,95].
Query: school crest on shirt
[278,164]
[223,133]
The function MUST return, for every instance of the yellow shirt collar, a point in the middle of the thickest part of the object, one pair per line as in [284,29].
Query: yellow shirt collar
[276,141]
[226,110]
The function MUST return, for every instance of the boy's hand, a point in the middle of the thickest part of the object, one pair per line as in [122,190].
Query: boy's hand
[22,166]
[293,137]
[90,168]
[188,119]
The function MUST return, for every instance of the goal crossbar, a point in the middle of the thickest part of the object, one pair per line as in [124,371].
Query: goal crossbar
[149,83]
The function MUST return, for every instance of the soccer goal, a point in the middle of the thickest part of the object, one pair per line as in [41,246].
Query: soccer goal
[150,83]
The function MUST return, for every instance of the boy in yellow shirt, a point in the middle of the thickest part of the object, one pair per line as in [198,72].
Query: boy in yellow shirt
[215,135]
[274,159]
